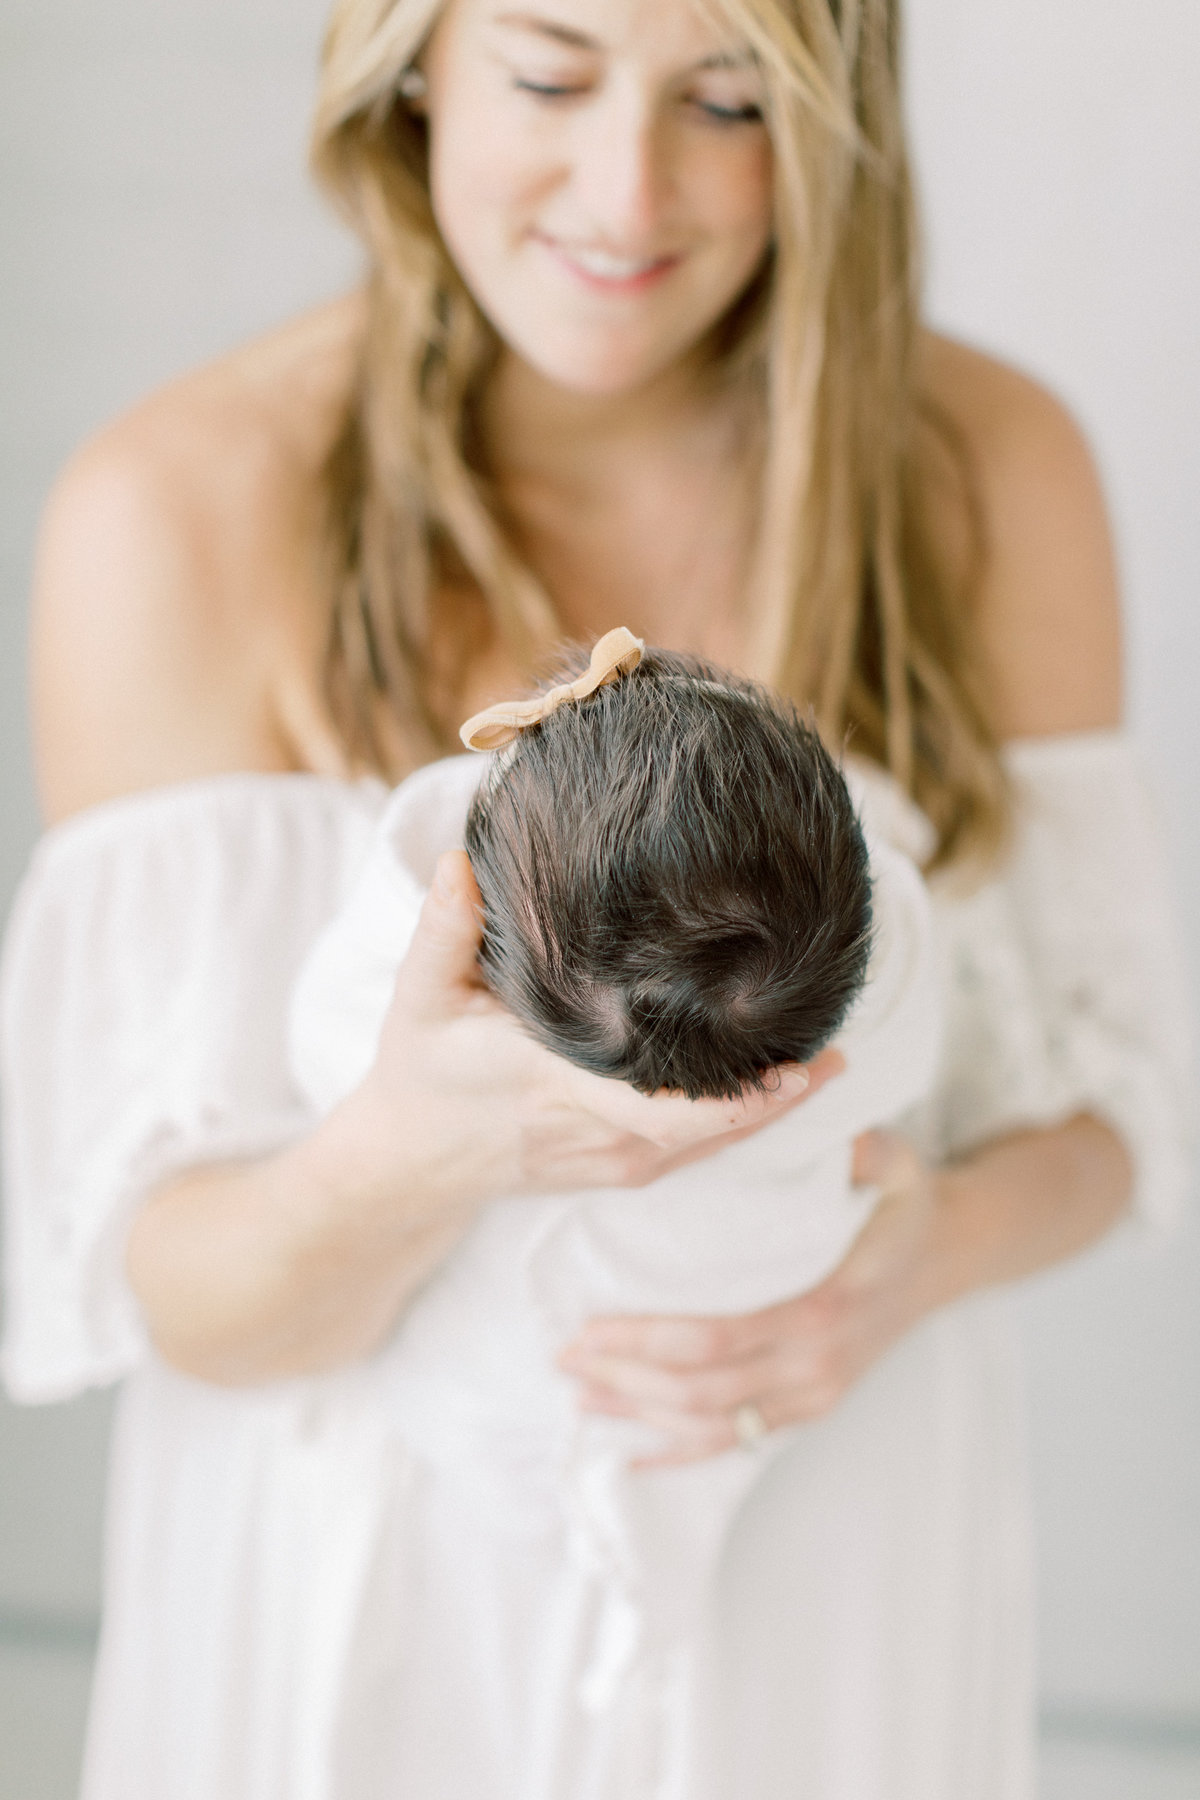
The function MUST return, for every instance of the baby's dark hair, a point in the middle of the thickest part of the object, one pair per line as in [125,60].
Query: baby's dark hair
[675,885]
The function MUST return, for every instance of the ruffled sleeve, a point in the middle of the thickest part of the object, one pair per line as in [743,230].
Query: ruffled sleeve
[143,998]
[1067,985]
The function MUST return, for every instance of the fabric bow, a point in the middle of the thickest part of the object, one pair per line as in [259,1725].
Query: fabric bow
[613,655]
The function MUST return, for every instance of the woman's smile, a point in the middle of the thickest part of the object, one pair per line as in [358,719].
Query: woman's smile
[606,271]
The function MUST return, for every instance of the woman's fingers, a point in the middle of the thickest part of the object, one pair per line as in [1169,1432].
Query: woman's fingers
[702,1420]
[778,1399]
[672,1122]
[441,960]
[686,1393]
[676,1124]
[884,1159]
[676,1342]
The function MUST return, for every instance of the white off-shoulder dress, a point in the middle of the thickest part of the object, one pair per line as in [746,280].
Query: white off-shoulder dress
[304,1603]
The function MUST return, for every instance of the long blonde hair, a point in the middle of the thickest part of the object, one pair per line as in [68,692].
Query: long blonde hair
[857,610]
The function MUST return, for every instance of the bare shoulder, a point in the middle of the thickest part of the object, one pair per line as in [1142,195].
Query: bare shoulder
[175,573]
[1049,613]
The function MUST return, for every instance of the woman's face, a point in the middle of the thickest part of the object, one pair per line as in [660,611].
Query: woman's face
[601,175]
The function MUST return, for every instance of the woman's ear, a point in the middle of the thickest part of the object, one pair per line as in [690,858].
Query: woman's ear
[413,88]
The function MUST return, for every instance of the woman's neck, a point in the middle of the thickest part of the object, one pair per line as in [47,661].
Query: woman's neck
[543,436]
[636,509]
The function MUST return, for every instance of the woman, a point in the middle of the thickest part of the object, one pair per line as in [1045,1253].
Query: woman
[639,342]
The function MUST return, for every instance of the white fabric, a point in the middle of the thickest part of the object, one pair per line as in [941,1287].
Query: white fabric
[145,979]
[271,1629]
[1067,979]
[765,1219]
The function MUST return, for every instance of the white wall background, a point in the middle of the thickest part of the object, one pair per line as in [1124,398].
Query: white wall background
[153,210]
[1059,143]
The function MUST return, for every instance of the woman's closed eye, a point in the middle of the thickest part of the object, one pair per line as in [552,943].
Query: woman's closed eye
[720,112]
[549,90]
[728,96]
[748,113]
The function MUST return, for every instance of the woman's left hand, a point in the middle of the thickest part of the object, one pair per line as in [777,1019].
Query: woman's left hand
[791,1362]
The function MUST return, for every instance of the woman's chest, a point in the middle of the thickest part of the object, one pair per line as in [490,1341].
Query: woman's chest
[662,547]
[676,577]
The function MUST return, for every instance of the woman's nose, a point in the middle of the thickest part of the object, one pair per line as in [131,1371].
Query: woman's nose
[622,175]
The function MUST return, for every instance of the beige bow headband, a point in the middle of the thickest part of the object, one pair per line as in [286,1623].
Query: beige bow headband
[614,655]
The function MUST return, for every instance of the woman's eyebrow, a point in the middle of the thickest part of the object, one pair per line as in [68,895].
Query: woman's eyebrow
[729,59]
[575,39]
[551,28]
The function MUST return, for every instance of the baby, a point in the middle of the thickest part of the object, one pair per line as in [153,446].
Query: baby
[675,885]
[677,893]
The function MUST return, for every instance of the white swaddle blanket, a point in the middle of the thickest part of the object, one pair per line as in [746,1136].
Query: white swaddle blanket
[469,1377]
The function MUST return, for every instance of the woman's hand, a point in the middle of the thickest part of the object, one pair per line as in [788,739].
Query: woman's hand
[463,1105]
[302,1260]
[793,1361]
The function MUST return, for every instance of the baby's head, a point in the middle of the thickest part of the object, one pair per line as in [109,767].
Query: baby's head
[675,885]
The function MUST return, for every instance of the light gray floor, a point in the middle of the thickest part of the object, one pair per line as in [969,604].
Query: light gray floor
[1072,1771]
[42,1698]
[43,1693]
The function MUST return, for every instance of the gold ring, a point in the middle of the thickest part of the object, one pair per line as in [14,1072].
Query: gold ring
[749,1425]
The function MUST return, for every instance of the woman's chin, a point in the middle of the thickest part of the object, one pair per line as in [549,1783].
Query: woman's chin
[600,373]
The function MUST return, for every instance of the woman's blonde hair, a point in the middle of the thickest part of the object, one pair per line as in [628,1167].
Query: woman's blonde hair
[857,610]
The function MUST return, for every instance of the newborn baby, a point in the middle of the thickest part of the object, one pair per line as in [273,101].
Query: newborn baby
[675,885]
[677,893]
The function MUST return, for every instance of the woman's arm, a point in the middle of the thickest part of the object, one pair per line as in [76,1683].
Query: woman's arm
[303,1260]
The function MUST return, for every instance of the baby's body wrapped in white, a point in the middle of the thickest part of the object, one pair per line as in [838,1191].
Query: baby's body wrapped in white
[469,1377]
[321,1589]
